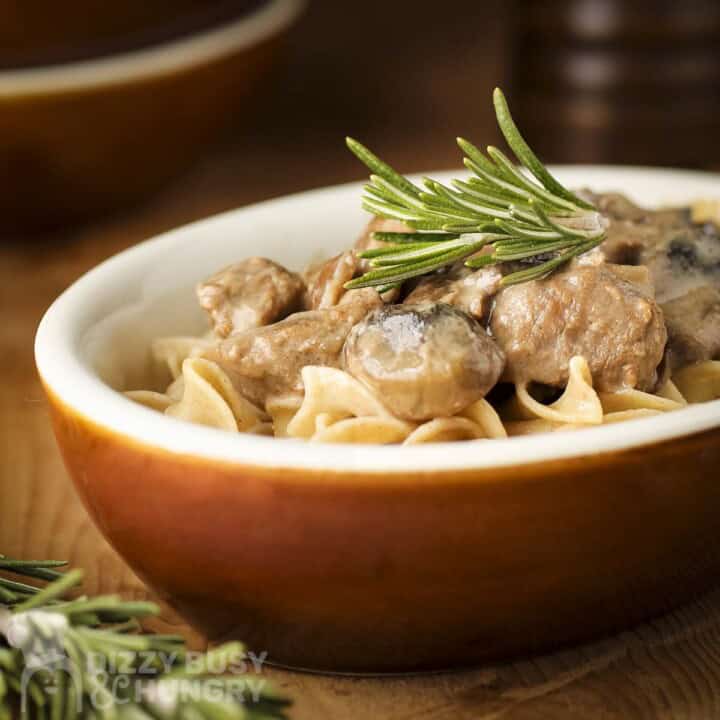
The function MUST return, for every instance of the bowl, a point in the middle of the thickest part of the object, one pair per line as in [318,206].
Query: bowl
[43,32]
[367,558]
[83,138]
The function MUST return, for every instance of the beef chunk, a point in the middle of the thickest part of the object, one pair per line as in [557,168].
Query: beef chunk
[249,294]
[268,360]
[583,310]
[471,291]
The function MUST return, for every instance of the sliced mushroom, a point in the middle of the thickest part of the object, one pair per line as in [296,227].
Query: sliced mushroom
[693,324]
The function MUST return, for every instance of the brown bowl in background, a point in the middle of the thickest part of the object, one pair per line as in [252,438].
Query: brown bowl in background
[79,139]
[44,32]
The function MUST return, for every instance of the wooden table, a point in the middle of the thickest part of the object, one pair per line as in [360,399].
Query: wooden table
[666,669]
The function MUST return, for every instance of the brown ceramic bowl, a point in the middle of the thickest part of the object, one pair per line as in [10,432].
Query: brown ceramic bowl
[369,558]
[42,32]
[82,138]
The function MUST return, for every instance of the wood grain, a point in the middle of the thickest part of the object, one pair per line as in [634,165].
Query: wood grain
[666,670]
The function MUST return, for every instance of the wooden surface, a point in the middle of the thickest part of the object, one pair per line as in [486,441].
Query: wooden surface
[669,669]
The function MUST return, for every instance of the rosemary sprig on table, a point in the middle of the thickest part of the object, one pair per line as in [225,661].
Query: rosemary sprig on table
[503,212]
[83,658]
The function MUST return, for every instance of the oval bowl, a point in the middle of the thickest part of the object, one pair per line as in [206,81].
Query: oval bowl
[83,138]
[370,559]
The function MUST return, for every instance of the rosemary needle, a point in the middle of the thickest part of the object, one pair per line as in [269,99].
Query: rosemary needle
[83,658]
[518,212]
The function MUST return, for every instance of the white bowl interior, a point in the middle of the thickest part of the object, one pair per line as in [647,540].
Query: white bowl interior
[95,338]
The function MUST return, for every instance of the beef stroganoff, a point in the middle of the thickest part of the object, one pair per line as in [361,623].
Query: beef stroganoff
[488,309]
[324,375]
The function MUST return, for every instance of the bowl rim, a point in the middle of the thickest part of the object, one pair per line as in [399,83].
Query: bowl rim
[68,377]
[165,58]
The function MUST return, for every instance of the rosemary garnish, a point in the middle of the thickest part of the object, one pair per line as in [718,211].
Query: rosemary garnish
[83,658]
[504,212]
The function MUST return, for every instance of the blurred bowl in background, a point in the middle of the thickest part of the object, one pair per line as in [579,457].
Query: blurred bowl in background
[45,32]
[82,138]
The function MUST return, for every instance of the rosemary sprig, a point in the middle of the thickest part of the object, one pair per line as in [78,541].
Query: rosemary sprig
[505,212]
[62,659]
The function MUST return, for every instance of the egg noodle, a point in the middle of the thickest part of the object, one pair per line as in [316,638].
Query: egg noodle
[338,408]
